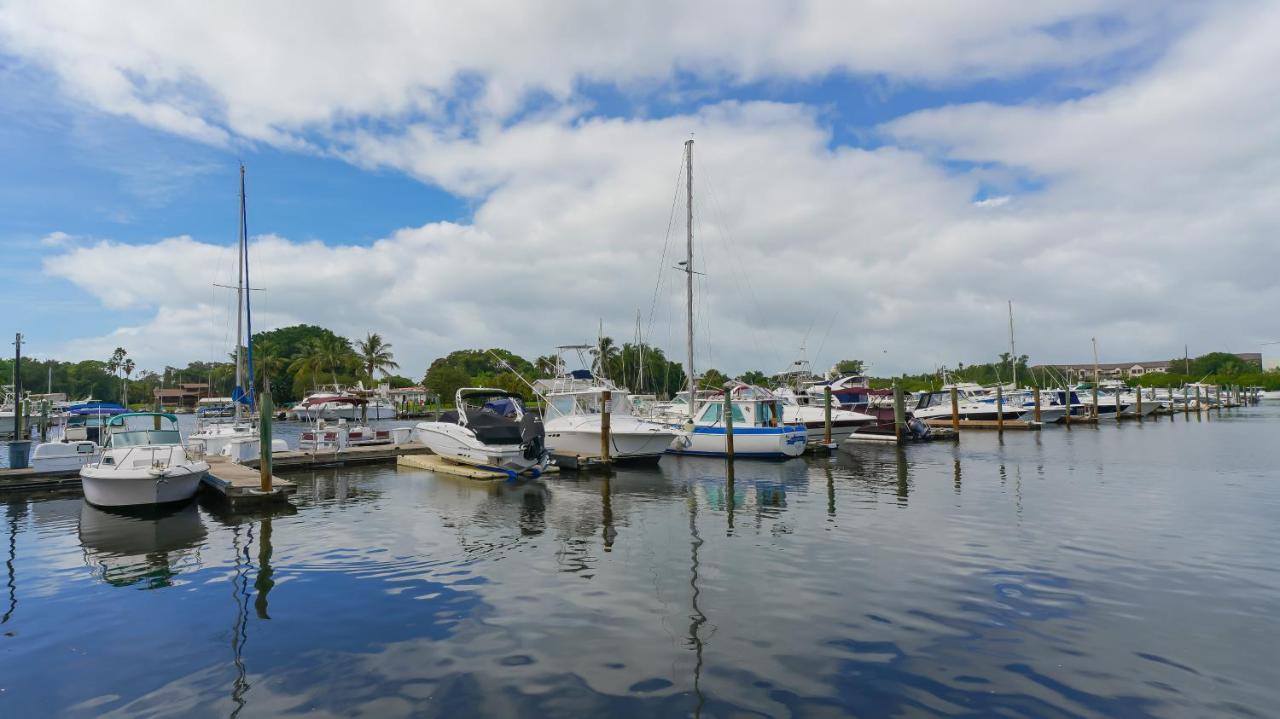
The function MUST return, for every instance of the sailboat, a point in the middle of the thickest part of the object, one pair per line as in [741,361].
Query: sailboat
[757,415]
[235,436]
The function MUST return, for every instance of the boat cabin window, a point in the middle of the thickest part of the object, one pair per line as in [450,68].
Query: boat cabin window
[714,413]
[142,437]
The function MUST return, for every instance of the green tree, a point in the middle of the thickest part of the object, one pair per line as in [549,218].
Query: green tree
[712,379]
[755,377]
[324,354]
[375,355]
[850,366]
[608,359]
[445,380]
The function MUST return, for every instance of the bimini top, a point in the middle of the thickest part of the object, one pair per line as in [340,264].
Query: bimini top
[742,391]
[96,408]
[120,419]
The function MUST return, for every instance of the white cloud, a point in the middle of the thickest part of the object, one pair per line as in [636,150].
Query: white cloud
[1150,226]
[270,71]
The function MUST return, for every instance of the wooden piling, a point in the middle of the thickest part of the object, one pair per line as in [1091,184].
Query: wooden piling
[1186,402]
[999,408]
[1217,396]
[264,437]
[1035,394]
[1138,392]
[826,415]
[955,409]
[606,407]
[1066,418]
[1095,399]
[1198,400]
[899,413]
[728,424]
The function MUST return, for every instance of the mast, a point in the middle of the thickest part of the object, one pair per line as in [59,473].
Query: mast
[240,300]
[1095,360]
[688,269]
[248,303]
[1013,352]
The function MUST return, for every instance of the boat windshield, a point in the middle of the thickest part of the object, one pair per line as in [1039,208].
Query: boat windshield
[144,437]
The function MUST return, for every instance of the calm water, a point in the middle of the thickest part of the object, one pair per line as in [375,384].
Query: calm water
[1118,571]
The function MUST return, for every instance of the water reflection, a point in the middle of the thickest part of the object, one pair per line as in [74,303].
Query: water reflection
[880,467]
[143,548]
[14,512]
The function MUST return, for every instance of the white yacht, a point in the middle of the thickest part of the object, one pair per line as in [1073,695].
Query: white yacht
[814,415]
[490,429]
[759,432]
[974,402]
[143,462]
[572,421]
[334,402]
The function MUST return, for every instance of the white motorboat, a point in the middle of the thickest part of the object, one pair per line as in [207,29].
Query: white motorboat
[759,432]
[64,456]
[143,462]
[849,392]
[814,416]
[573,415]
[489,428]
[973,402]
[573,420]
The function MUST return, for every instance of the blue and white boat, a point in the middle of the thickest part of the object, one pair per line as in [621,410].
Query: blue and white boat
[758,428]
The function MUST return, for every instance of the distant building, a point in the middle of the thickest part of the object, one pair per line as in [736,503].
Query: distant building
[184,396]
[1126,370]
[405,395]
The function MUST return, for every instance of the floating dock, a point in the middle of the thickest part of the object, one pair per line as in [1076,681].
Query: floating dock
[241,485]
[436,463]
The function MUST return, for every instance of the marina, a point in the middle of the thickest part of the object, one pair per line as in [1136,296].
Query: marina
[803,360]
[978,576]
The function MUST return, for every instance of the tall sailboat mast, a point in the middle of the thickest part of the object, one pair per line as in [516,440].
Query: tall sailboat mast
[240,300]
[1013,352]
[688,268]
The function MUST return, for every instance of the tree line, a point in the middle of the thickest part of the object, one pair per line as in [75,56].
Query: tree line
[298,359]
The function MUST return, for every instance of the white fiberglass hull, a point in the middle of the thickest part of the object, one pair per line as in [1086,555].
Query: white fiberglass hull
[630,438]
[453,441]
[128,487]
[748,442]
[217,438]
[843,422]
[64,456]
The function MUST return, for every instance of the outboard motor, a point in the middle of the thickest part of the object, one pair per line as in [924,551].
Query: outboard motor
[532,436]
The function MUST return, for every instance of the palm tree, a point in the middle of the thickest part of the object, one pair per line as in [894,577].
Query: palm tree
[607,355]
[322,354]
[376,355]
[547,365]
[267,360]
[127,367]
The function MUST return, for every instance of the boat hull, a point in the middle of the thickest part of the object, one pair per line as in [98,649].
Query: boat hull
[748,442]
[454,442]
[132,488]
[633,440]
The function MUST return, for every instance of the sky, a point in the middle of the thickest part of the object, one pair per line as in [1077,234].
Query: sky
[871,180]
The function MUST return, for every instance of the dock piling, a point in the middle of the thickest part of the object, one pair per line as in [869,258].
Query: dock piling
[606,407]
[264,437]
[955,409]
[728,424]
[1139,393]
[899,413]
[1000,409]
[1197,400]
[1035,393]
[826,415]
[1095,401]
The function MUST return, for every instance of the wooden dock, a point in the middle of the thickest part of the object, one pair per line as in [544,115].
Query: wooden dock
[1012,425]
[29,480]
[297,459]
[240,485]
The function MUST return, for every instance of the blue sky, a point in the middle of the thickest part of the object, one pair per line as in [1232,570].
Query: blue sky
[482,160]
